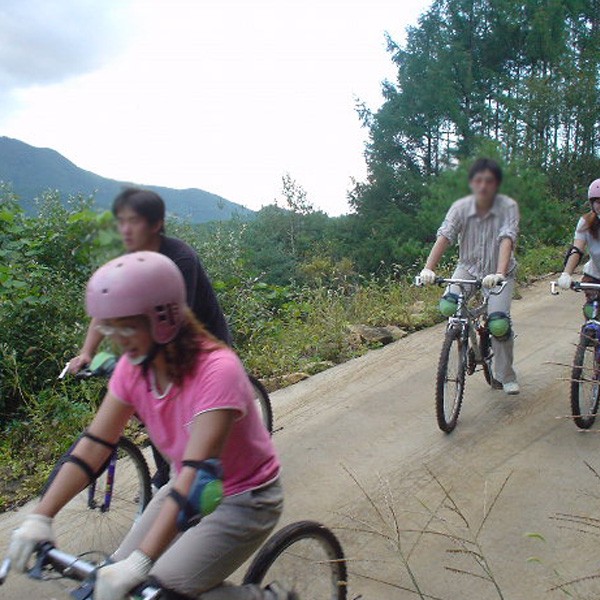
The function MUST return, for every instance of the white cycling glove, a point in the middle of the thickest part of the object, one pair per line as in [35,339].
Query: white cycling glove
[564,281]
[427,276]
[34,529]
[491,281]
[114,581]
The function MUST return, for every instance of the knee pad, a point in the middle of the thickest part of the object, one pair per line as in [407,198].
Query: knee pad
[448,304]
[499,326]
[590,309]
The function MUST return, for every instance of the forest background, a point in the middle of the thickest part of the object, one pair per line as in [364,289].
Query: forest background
[517,81]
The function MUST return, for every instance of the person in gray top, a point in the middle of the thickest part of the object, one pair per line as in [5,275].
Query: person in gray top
[587,236]
[486,225]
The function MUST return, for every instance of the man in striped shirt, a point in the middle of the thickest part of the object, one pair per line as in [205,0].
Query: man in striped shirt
[486,225]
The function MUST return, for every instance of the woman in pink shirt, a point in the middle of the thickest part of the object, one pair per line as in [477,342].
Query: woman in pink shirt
[194,397]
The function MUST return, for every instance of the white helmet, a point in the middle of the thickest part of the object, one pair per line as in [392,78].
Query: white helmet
[594,189]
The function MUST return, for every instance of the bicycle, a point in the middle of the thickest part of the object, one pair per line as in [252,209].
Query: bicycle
[118,496]
[585,371]
[304,556]
[467,345]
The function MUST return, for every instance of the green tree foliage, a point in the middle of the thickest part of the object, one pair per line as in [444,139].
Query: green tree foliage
[524,74]
[44,265]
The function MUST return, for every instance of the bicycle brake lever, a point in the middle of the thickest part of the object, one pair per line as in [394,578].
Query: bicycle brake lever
[37,571]
[64,371]
[4,569]
[83,592]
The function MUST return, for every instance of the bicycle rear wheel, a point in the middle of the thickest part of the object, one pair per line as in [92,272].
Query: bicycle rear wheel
[485,345]
[304,557]
[450,382]
[261,397]
[88,523]
[585,383]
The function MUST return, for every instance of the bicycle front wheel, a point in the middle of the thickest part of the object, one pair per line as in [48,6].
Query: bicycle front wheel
[263,402]
[99,517]
[450,382]
[304,557]
[585,385]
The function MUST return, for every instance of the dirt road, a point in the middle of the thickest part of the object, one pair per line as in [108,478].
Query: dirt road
[372,421]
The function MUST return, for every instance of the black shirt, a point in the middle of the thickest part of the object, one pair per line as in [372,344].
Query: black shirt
[201,297]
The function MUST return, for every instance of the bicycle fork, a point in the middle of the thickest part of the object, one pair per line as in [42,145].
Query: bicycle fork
[110,478]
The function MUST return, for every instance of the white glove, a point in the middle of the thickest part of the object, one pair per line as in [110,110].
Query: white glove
[34,529]
[564,281]
[491,281]
[427,276]
[114,581]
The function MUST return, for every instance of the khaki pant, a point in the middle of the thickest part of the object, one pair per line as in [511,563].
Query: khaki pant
[201,558]
[503,351]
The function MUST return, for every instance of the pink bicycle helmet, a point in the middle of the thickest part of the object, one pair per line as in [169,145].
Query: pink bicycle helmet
[140,283]
[594,189]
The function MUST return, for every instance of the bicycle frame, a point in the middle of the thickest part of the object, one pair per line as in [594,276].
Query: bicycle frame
[468,319]
[110,478]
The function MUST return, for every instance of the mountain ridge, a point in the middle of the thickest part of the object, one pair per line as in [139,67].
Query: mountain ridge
[31,170]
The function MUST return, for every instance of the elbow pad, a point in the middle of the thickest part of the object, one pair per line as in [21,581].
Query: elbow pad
[206,493]
[573,250]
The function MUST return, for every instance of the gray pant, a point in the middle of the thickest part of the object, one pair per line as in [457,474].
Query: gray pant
[503,351]
[201,558]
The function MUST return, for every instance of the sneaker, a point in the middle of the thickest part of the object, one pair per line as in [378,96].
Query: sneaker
[276,592]
[511,388]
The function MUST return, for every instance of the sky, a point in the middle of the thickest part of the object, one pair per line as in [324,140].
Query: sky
[222,95]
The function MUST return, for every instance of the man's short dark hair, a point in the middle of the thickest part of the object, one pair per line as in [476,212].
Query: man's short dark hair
[145,203]
[486,164]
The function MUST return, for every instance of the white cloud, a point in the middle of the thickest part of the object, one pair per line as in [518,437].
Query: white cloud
[226,96]
[47,41]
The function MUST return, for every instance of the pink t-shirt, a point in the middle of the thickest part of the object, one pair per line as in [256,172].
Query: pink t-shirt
[220,382]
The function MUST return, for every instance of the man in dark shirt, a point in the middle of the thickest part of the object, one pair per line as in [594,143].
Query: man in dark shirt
[140,216]
[200,294]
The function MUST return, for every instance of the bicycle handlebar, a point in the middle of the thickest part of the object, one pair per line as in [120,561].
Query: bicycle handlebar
[576,286]
[85,373]
[102,365]
[73,567]
[474,282]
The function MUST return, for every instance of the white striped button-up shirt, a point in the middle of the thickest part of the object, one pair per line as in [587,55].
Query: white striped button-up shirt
[479,237]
